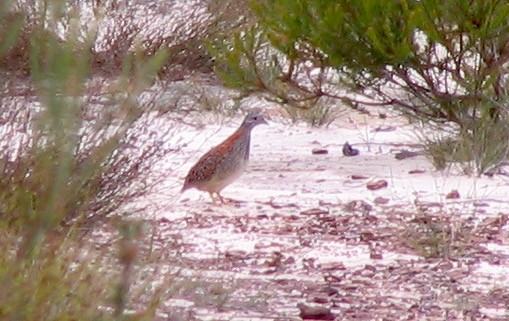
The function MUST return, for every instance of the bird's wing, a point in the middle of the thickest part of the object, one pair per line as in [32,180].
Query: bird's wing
[208,164]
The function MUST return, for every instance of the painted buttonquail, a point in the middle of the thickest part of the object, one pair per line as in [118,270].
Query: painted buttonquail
[223,164]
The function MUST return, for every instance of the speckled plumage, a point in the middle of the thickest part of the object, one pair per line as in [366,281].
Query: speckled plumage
[223,164]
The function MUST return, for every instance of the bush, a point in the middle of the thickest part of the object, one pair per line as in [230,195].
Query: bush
[75,148]
[66,280]
[436,61]
[112,30]
[477,151]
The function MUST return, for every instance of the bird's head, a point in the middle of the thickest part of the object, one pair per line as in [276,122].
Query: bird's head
[253,118]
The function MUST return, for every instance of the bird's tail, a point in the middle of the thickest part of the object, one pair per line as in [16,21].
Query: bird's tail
[185,187]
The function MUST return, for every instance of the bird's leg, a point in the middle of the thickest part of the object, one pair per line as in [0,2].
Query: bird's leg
[212,197]
[220,198]
[228,200]
[216,198]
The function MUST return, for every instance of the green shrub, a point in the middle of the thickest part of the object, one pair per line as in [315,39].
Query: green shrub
[435,61]
[478,150]
[66,164]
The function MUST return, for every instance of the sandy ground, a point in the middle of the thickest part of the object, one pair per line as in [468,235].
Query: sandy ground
[306,230]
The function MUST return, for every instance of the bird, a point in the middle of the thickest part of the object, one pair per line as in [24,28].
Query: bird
[226,162]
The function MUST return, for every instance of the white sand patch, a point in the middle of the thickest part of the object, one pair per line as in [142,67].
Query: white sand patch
[301,219]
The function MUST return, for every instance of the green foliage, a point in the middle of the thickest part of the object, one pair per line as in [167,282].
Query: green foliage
[64,170]
[71,279]
[244,60]
[347,32]
[477,151]
[10,28]
[48,287]
[437,61]
[320,112]
[64,164]
[432,237]
[442,233]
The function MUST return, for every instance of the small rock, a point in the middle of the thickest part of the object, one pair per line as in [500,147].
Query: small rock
[367,236]
[314,211]
[348,150]
[406,154]
[381,200]
[376,185]
[358,205]
[454,194]
[320,299]
[445,266]
[236,254]
[319,151]
[318,312]
[332,266]
[370,267]
[384,129]
[330,290]
[325,203]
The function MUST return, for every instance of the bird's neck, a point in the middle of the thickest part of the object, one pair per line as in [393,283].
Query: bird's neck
[244,136]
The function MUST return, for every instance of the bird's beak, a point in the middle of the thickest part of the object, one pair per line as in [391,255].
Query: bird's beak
[264,119]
